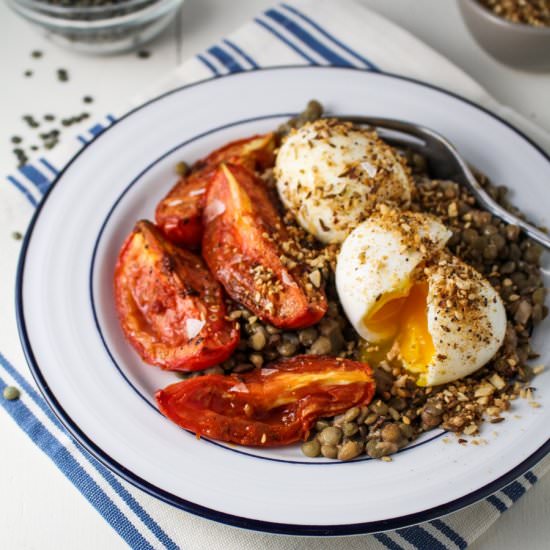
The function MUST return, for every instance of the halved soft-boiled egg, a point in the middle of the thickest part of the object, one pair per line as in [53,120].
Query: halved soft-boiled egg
[411,299]
[331,175]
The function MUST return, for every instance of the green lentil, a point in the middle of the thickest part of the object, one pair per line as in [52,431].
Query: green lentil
[321,346]
[256,359]
[330,436]
[349,450]
[11,393]
[350,428]
[311,448]
[351,414]
[258,340]
[62,75]
[391,433]
[321,425]
[17,235]
[329,451]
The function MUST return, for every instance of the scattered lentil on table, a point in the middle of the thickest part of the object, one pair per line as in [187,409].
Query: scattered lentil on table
[11,393]
[62,75]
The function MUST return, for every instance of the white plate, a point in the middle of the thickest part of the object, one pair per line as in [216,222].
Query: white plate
[103,393]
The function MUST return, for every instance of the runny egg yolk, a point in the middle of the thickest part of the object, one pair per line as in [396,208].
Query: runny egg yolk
[401,319]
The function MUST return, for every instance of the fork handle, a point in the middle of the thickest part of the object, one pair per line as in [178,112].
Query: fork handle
[499,211]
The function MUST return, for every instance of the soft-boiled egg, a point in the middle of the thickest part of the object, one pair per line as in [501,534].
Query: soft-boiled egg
[331,176]
[411,299]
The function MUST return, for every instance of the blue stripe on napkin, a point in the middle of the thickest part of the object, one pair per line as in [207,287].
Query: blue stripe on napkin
[497,503]
[449,533]
[241,52]
[96,129]
[209,65]
[514,491]
[368,64]
[20,187]
[292,46]
[420,538]
[49,166]
[330,55]
[37,178]
[531,478]
[225,59]
[388,542]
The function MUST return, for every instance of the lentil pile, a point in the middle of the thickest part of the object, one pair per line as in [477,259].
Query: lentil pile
[529,12]
[401,410]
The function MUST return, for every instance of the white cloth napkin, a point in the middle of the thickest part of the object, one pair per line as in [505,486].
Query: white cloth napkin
[320,32]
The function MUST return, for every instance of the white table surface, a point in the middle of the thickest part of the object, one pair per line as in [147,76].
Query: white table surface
[39,508]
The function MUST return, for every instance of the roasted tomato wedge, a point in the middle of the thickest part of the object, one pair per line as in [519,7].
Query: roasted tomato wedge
[170,307]
[179,214]
[276,405]
[243,243]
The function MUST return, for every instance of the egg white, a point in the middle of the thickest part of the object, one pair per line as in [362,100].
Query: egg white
[393,252]
[331,176]
[466,319]
[380,257]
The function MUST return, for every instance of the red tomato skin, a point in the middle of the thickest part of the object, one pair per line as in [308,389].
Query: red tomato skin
[179,213]
[268,407]
[161,293]
[244,230]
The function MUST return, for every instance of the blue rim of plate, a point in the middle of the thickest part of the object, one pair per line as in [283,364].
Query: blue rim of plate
[209,513]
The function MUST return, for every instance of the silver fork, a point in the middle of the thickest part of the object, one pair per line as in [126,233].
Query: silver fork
[444,163]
